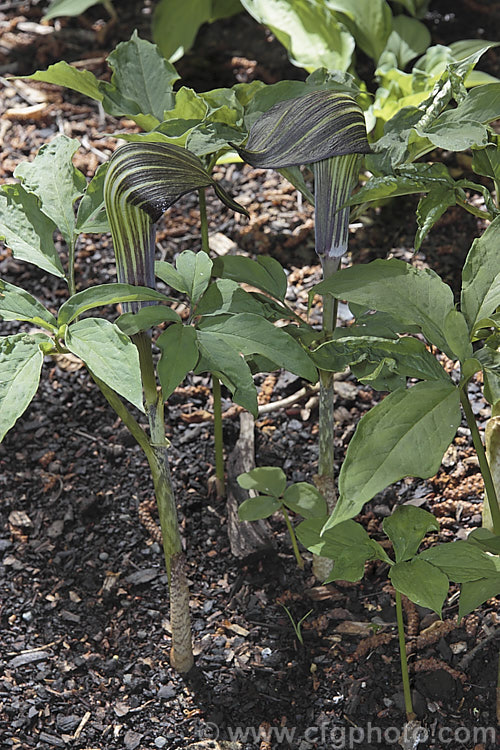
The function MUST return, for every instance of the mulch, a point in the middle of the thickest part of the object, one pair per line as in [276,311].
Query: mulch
[85,635]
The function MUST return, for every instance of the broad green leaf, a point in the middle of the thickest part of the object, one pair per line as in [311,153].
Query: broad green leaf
[475,593]
[430,209]
[27,230]
[212,137]
[416,296]
[485,539]
[406,528]
[369,23]
[308,30]
[303,498]
[226,296]
[481,276]
[270,480]
[481,105]
[417,8]
[406,356]
[63,74]
[91,216]
[405,435]
[108,354]
[179,355]
[408,39]
[105,294]
[220,358]
[59,8]
[265,273]
[147,317]
[457,335]
[486,161]
[348,544]
[170,276]
[195,270]
[17,304]
[489,360]
[251,334]
[20,365]
[261,506]
[56,182]
[175,24]
[421,582]
[461,561]
[141,83]
[454,135]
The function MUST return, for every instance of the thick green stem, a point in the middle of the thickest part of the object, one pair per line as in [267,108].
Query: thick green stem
[489,485]
[218,438]
[216,389]
[291,531]
[71,267]
[325,480]
[327,398]
[203,220]
[410,715]
[181,653]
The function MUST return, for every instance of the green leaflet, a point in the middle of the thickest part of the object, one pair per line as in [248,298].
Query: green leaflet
[179,355]
[307,129]
[405,435]
[56,183]
[481,276]
[17,304]
[105,294]
[27,230]
[421,582]
[20,364]
[108,354]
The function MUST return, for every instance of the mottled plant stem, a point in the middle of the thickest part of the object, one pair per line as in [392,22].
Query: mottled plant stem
[216,386]
[325,480]
[71,267]
[489,485]
[180,620]
[218,438]
[291,531]
[410,715]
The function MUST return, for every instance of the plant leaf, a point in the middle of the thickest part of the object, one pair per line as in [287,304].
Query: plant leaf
[260,506]
[370,24]
[417,296]
[226,296]
[195,270]
[481,276]
[270,480]
[59,8]
[147,317]
[462,561]
[308,30]
[20,365]
[251,334]
[175,25]
[108,354]
[91,216]
[405,435]
[303,498]
[475,593]
[421,582]
[265,273]
[105,294]
[224,361]
[141,83]
[63,74]
[17,304]
[406,528]
[56,182]
[179,355]
[27,230]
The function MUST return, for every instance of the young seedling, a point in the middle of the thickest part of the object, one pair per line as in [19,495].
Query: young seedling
[272,495]
[423,577]
[297,625]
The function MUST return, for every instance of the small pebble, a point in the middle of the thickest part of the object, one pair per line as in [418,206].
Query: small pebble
[103,556]
[27,616]
[160,741]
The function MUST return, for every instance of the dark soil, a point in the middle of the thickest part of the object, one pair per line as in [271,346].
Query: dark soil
[85,634]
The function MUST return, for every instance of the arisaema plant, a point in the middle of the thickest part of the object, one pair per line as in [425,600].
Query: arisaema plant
[142,181]
[325,129]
